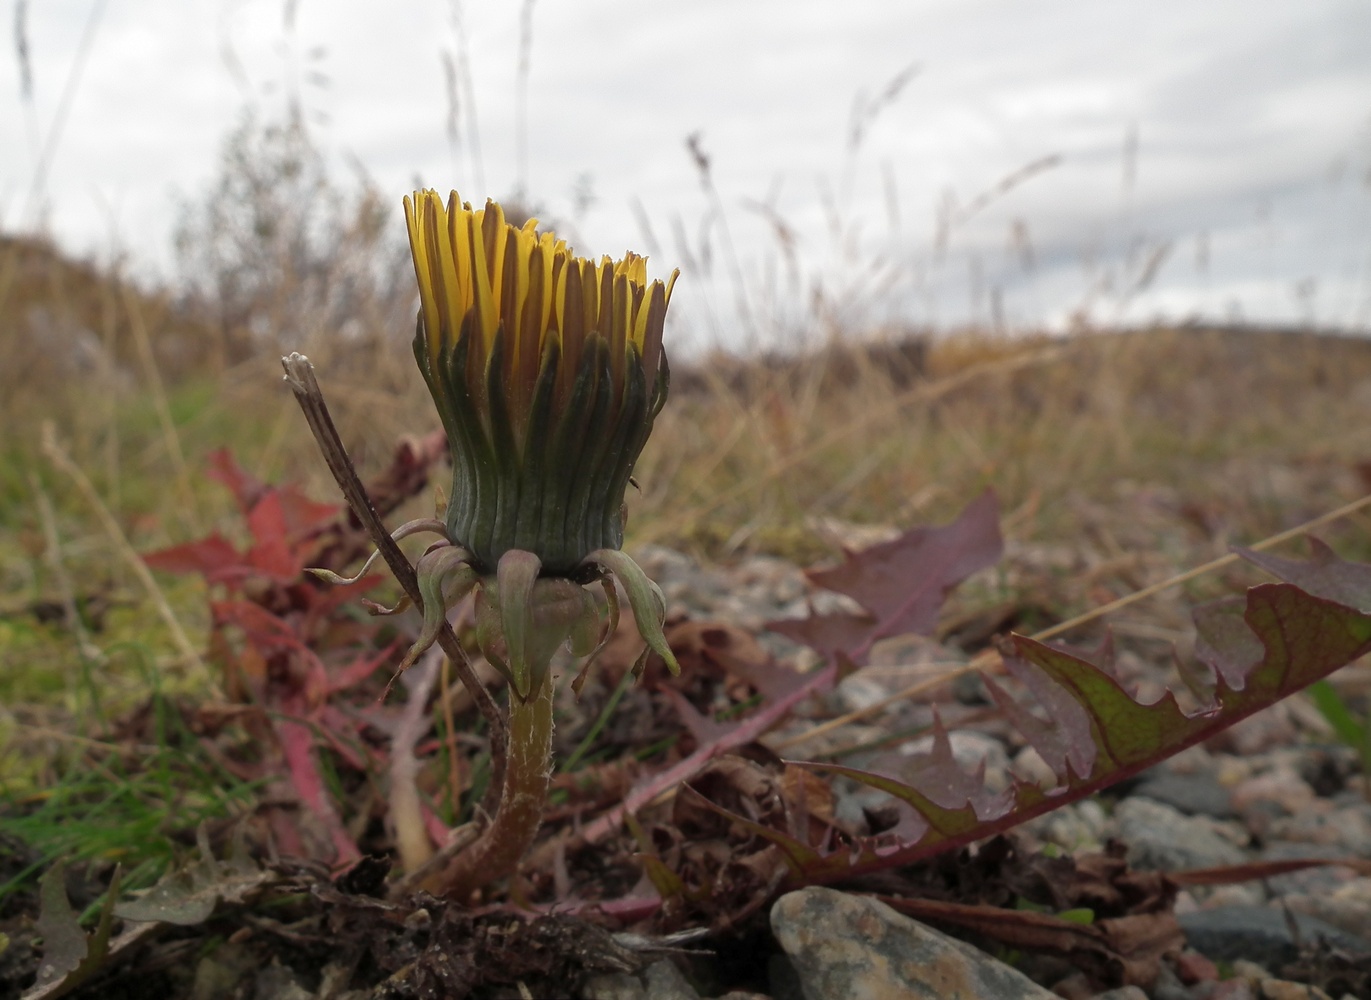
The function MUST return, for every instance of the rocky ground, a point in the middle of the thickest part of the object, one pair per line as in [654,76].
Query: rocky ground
[1275,787]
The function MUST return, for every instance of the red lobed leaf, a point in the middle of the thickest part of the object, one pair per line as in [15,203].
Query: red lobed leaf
[797,853]
[1223,641]
[1324,575]
[828,635]
[297,746]
[1063,739]
[1098,734]
[742,733]
[271,553]
[304,515]
[213,557]
[246,488]
[902,583]
[269,634]
[349,676]
[704,729]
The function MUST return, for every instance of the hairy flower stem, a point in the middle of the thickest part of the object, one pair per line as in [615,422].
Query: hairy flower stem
[528,771]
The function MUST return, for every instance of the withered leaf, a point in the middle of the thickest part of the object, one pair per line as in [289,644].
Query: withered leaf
[69,956]
[190,895]
[902,584]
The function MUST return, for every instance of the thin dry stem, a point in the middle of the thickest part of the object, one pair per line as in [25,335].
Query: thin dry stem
[170,438]
[53,552]
[866,711]
[1213,564]
[456,765]
[922,393]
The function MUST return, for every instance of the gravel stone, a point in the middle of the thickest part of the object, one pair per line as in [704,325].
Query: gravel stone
[854,948]
[1161,838]
[660,981]
[1122,993]
[1226,934]
[1197,794]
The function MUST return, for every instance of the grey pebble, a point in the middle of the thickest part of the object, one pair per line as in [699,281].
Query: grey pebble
[1193,794]
[1122,993]
[613,986]
[1161,838]
[1168,986]
[1229,933]
[846,947]
[663,982]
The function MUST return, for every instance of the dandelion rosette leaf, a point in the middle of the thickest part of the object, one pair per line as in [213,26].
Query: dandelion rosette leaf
[1096,733]
[1086,726]
[70,956]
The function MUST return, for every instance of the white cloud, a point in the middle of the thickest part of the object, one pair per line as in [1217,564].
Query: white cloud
[1239,109]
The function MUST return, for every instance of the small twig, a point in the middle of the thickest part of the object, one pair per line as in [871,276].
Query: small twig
[300,377]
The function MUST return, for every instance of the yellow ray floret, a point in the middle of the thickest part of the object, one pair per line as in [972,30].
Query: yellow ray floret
[474,263]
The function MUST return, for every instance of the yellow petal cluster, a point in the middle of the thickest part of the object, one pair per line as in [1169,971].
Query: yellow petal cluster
[478,272]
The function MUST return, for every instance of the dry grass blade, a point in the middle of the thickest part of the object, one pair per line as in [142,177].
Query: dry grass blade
[923,393]
[170,438]
[62,461]
[53,552]
[1209,567]
[406,811]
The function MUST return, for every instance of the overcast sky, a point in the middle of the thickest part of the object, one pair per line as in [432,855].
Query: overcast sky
[1174,158]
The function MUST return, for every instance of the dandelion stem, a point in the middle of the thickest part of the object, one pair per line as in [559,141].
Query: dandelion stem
[504,843]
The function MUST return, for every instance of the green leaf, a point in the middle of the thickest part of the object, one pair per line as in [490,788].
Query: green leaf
[1332,707]
[515,577]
